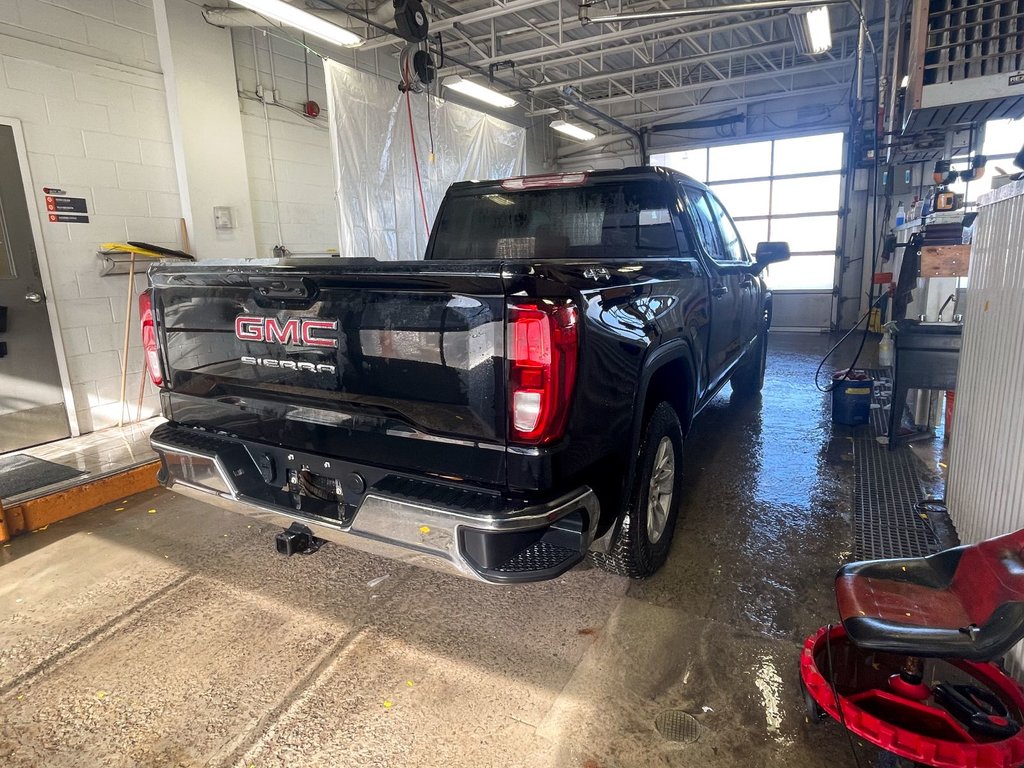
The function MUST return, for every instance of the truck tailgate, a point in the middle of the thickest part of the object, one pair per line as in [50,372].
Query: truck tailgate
[395,364]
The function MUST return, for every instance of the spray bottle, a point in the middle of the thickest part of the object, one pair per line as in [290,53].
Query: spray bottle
[885,348]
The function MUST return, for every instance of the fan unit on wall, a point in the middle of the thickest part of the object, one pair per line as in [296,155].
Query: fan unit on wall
[965,64]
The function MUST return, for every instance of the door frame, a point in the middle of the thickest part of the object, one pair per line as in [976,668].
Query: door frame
[44,269]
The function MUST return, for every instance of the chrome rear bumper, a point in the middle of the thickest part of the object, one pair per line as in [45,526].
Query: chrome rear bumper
[410,530]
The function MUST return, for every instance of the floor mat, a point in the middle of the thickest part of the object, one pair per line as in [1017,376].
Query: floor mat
[20,473]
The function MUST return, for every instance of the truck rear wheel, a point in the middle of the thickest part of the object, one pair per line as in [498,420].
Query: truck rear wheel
[645,536]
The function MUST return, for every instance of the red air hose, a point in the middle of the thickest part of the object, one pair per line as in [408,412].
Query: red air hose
[415,154]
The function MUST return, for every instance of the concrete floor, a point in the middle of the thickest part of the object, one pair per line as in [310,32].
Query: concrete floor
[160,632]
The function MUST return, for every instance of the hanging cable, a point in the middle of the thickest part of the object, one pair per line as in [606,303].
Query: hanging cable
[430,126]
[415,154]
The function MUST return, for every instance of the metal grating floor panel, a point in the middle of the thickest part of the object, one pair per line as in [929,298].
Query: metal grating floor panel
[887,492]
[888,488]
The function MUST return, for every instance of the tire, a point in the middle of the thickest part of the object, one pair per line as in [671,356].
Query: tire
[815,712]
[748,378]
[640,549]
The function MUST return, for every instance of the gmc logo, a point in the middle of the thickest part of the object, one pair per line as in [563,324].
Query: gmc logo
[296,331]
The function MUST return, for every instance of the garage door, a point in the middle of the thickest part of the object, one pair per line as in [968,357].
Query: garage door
[784,189]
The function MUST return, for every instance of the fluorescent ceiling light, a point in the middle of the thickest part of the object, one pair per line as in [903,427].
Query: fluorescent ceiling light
[812,29]
[819,29]
[278,10]
[569,129]
[479,92]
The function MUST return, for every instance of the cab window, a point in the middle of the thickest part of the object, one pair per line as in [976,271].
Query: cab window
[703,219]
[733,243]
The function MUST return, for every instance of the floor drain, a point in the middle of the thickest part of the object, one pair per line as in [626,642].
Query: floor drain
[676,725]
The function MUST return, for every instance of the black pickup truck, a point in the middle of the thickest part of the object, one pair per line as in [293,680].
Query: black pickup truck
[510,403]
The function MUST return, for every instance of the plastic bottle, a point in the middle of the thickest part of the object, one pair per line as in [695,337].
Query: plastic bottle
[926,206]
[901,215]
[885,350]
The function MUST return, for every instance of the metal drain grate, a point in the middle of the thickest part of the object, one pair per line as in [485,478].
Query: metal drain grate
[540,556]
[676,725]
[886,522]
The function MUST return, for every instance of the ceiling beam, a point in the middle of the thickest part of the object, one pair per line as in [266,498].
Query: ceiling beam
[442,25]
[689,88]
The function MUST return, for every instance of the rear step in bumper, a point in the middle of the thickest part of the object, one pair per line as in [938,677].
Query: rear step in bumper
[519,545]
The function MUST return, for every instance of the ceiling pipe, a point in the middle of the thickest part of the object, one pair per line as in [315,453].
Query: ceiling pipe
[472,17]
[573,98]
[430,46]
[567,93]
[760,5]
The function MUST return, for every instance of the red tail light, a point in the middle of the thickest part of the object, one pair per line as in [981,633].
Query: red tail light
[542,342]
[149,337]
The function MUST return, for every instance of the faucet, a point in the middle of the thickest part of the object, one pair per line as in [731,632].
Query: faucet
[952,297]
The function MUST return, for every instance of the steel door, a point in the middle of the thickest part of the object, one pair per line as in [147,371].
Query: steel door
[31,397]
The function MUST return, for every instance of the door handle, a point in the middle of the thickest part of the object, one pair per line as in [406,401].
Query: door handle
[748,282]
[34,297]
[719,290]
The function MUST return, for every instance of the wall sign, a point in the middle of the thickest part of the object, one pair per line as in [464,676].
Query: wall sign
[62,209]
[68,218]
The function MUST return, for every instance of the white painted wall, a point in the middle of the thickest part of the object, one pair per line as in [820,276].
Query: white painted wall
[84,80]
[288,155]
[199,78]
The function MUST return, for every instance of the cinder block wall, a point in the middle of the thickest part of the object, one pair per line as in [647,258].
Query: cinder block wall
[303,198]
[83,78]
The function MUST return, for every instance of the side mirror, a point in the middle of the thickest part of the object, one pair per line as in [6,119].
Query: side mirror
[770,253]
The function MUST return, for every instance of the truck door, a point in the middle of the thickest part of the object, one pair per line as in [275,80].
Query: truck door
[725,286]
[750,288]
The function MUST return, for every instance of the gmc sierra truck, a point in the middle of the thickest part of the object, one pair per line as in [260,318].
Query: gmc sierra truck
[503,407]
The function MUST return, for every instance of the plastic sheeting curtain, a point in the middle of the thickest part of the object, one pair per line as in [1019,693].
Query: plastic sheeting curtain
[379,211]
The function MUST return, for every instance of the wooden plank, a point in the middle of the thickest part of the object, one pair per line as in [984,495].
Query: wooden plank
[35,513]
[915,56]
[945,260]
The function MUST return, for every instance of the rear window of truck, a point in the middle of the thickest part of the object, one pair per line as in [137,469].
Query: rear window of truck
[612,220]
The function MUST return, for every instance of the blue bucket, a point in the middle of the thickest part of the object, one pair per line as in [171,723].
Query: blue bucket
[851,400]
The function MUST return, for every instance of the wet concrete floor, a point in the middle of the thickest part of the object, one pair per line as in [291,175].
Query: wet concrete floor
[162,632]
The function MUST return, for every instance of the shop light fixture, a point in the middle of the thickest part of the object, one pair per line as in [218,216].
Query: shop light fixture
[573,130]
[812,29]
[278,10]
[479,92]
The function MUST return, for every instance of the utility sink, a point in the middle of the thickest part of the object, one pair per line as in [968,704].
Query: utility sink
[926,357]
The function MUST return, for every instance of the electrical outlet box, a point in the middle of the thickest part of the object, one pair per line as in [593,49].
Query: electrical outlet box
[223,217]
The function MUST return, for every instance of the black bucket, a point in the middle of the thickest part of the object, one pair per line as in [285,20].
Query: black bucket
[851,398]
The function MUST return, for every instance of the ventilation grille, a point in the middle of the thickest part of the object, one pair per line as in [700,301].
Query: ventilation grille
[968,39]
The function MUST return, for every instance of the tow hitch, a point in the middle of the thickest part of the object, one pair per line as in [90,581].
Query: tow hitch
[297,538]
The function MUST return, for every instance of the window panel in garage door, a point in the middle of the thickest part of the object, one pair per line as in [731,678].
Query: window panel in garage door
[750,198]
[809,235]
[805,194]
[784,189]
